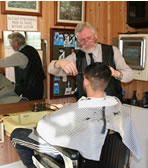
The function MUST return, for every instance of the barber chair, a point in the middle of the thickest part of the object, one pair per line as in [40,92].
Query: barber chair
[114,155]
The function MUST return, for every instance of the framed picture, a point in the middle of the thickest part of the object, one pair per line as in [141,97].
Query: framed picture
[69,13]
[32,8]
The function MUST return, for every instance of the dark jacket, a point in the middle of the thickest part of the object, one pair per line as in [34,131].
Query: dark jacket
[114,86]
[29,81]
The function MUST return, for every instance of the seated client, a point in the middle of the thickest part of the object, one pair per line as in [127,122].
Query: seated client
[82,126]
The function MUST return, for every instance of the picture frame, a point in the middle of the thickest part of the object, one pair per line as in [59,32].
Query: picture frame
[32,8]
[69,13]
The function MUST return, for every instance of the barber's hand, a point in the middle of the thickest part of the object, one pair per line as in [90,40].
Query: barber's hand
[68,67]
[115,73]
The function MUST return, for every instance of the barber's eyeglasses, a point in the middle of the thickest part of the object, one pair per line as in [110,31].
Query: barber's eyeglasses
[83,40]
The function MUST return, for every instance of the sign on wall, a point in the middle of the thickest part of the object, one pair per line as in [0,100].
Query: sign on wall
[22,23]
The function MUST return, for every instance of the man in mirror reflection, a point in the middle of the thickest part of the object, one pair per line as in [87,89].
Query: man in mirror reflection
[29,73]
[91,51]
[7,93]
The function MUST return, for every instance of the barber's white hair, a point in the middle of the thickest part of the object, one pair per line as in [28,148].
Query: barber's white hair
[81,26]
[16,36]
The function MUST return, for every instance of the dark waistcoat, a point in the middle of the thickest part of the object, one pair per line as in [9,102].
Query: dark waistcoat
[32,75]
[114,86]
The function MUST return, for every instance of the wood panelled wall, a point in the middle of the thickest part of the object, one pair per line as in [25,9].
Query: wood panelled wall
[108,17]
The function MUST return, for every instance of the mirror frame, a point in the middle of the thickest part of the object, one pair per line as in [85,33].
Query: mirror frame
[18,107]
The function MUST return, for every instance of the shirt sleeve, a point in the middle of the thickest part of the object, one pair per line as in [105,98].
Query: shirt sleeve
[122,66]
[16,59]
[58,71]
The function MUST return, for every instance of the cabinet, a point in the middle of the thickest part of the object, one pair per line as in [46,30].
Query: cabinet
[63,43]
[7,152]
[137,14]
[139,117]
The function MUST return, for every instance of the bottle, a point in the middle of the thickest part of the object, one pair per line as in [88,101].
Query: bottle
[134,100]
[145,100]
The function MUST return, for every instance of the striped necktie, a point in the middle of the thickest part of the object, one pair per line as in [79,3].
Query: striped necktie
[91,58]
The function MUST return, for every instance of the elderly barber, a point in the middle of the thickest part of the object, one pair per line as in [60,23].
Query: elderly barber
[90,52]
[29,74]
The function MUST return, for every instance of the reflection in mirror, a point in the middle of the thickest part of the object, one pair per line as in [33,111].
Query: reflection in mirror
[23,82]
[7,92]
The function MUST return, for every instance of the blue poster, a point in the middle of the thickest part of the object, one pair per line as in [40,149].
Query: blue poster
[58,39]
[56,89]
[71,40]
[66,39]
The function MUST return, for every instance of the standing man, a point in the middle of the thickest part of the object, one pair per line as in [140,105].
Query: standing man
[29,74]
[90,52]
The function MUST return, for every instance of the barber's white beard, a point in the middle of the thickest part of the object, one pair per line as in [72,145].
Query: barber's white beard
[90,49]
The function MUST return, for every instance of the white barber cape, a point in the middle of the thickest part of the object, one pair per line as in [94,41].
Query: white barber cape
[79,126]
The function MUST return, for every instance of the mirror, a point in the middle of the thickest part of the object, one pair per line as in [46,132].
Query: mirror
[6,87]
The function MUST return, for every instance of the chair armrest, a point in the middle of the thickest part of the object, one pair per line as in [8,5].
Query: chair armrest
[71,153]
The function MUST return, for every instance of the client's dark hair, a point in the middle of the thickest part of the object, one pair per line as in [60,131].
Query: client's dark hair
[98,74]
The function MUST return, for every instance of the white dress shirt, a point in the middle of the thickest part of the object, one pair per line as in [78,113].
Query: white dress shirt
[16,59]
[97,55]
